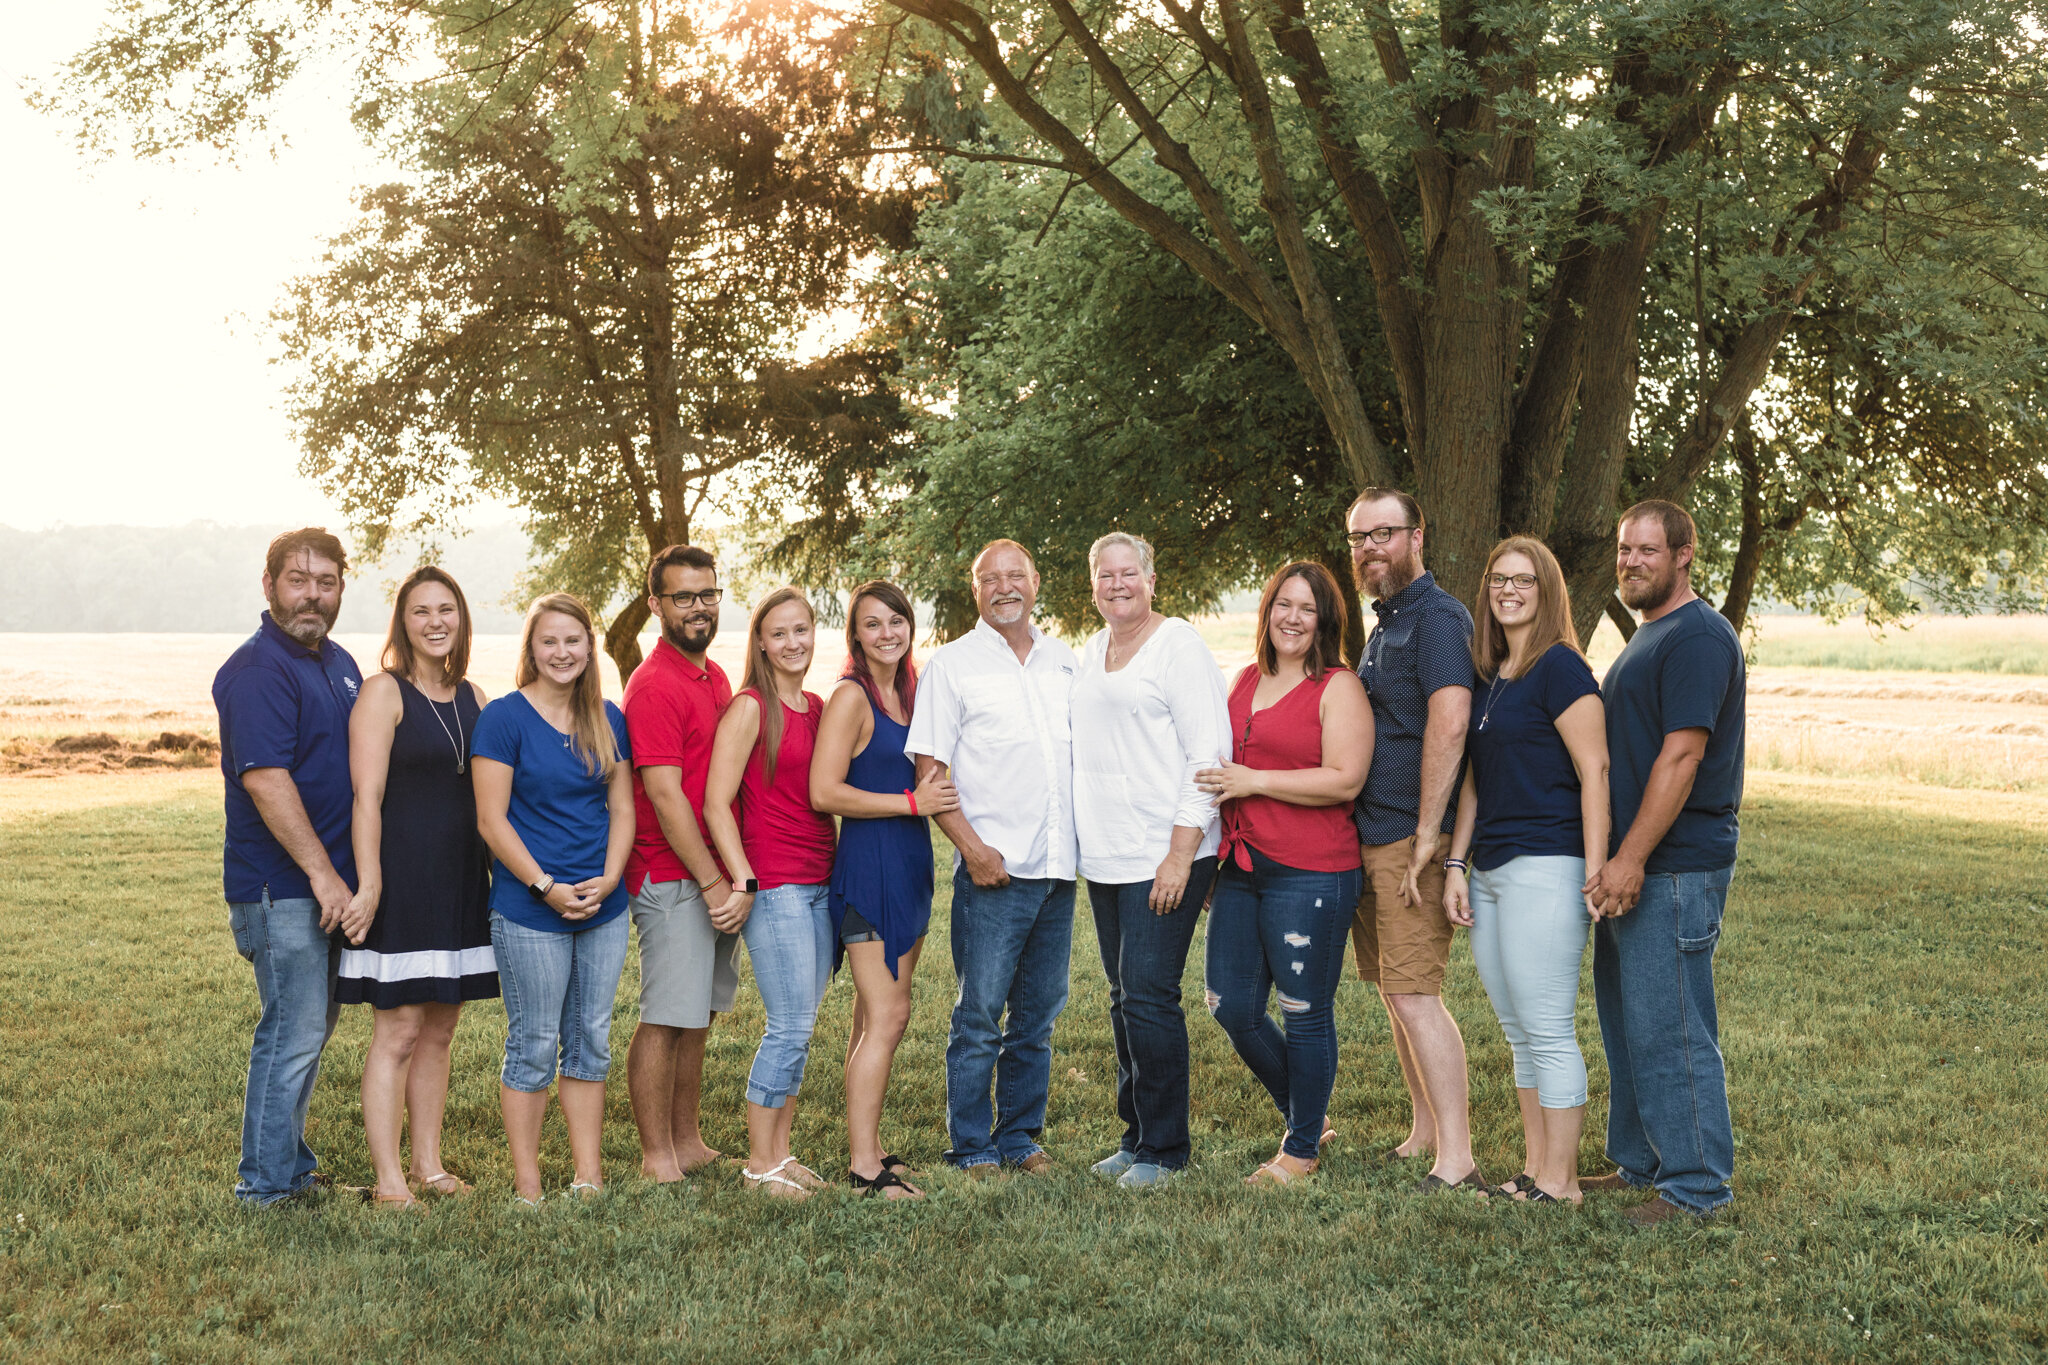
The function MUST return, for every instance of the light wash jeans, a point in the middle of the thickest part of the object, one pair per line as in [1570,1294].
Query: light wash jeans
[296,962]
[1668,1125]
[789,943]
[558,990]
[1529,927]
[1012,951]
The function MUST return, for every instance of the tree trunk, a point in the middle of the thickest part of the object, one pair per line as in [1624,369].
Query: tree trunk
[622,637]
[1338,562]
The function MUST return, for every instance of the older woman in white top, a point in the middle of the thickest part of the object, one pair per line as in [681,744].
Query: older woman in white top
[1148,712]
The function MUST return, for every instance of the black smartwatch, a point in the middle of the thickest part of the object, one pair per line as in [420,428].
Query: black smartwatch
[752,886]
[539,890]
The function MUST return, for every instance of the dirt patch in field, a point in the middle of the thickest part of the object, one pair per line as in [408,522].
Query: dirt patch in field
[97,751]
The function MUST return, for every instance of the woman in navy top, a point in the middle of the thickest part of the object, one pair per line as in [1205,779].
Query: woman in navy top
[1532,824]
[419,927]
[554,800]
[881,895]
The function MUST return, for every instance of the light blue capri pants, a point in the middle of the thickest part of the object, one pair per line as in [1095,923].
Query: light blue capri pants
[1529,929]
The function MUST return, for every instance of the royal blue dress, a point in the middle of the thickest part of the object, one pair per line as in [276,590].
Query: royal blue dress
[883,868]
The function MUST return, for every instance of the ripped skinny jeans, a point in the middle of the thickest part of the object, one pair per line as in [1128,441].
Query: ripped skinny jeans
[1281,930]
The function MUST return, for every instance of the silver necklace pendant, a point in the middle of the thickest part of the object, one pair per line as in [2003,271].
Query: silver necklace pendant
[455,737]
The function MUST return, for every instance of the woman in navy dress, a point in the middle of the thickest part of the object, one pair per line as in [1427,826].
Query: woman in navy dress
[881,892]
[419,927]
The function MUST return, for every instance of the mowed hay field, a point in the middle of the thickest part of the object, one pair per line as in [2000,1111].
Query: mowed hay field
[1884,994]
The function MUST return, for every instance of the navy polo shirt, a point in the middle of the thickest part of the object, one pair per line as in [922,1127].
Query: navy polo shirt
[283,705]
[1421,642]
[1682,671]
[1522,772]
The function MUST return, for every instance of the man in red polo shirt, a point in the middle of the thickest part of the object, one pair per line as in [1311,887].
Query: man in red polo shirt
[687,971]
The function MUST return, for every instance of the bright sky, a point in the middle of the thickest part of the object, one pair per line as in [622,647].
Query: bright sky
[133,366]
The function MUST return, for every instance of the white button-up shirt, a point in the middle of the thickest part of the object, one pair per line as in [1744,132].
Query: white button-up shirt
[1001,727]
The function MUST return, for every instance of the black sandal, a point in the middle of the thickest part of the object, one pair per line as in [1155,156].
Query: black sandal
[887,1180]
[1433,1183]
[1509,1189]
[1533,1195]
[896,1164]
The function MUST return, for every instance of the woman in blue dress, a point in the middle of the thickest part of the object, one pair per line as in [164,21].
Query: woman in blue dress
[881,893]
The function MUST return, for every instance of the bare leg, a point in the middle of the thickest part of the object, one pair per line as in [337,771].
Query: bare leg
[691,1151]
[426,1087]
[1532,1131]
[394,1039]
[650,1085]
[1422,1123]
[1558,1173]
[523,1112]
[583,1109]
[881,1013]
[1438,1053]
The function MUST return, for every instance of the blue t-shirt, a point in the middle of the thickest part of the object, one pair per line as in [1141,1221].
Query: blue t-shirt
[283,705]
[1528,789]
[1682,671]
[558,810]
[1422,642]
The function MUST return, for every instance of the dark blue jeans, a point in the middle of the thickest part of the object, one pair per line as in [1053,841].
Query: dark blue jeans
[296,962]
[1281,927]
[1653,977]
[1011,948]
[1144,955]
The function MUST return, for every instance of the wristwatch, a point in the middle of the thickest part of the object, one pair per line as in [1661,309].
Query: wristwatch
[752,886]
[540,889]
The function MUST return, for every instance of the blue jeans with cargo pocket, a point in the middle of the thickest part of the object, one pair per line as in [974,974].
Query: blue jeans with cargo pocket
[1668,1126]
[1282,928]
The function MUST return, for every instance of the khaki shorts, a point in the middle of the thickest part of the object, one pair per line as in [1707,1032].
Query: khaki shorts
[1402,948]
[688,971]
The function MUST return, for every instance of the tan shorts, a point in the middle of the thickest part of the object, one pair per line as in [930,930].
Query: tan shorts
[1403,948]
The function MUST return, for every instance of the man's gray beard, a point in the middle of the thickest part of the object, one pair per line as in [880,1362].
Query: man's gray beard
[675,637]
[309,636]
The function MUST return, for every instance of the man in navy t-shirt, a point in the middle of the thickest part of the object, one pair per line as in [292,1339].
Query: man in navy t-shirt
[1674,702]
[288,869]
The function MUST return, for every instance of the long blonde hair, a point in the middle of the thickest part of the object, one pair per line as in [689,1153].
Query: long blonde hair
[590,731]
[761,673]
[1553,623]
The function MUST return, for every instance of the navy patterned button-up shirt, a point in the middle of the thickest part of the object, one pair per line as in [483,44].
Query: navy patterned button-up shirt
[1421,642]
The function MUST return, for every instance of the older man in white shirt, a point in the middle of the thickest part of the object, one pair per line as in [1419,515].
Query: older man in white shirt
[992,710]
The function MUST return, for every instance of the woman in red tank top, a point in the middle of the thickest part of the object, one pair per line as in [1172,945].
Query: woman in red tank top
[1288,877]
[779,853]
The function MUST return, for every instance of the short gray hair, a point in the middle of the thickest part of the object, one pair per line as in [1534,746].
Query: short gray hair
[1137,545]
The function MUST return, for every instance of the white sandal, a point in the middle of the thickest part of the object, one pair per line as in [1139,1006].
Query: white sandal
[774,1176]
[582,1189]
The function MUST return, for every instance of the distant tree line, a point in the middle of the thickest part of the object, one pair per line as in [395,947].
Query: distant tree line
[204,577]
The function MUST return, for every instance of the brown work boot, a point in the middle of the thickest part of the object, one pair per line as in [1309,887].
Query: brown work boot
[1038,1163]
[1659,1210]
[1605,1184]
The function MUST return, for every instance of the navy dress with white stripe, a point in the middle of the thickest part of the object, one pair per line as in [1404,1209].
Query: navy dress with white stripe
[431,939]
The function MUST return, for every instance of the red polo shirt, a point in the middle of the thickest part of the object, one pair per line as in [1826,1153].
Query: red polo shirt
[672,709]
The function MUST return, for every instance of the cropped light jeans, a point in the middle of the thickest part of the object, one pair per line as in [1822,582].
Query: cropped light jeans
[558,990]
[789,943]
[1529,929]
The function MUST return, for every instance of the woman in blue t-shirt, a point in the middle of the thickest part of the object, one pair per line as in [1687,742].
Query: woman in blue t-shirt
[1532,825]
[554,800]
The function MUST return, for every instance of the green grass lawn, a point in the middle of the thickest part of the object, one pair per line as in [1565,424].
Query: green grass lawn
[1884,994]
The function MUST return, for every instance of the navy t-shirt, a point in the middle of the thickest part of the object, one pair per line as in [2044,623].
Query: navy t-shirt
[1683,671]
[559,811]
[1528,789]
[1422,642]
[283,705]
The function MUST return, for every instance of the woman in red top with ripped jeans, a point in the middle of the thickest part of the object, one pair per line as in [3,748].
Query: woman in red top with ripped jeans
[1288,871]
[778,851]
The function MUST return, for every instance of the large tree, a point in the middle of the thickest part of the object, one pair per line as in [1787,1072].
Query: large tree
[607,234]
[1532,187]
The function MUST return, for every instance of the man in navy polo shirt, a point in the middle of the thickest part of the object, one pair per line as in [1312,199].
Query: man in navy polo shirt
[1418,674]
[284,699]
[1674,701]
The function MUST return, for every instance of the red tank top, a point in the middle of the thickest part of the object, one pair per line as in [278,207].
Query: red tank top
[786,841]
[1286,735]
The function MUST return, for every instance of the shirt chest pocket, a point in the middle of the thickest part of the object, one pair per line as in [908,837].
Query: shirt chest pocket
[1393,672]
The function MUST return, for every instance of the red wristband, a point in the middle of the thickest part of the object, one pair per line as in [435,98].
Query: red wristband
[913,799]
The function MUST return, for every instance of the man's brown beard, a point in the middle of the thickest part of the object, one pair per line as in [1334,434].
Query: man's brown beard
[1656,592]
[675,637]
[1395,580]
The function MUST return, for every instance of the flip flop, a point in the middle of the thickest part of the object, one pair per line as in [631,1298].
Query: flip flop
[431,1184]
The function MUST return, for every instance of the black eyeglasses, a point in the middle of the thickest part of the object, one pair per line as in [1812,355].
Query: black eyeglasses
[1378,535]
[1524,581]
[709,597]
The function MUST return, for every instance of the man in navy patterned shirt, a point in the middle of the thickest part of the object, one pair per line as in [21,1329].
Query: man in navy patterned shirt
[1418,672]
